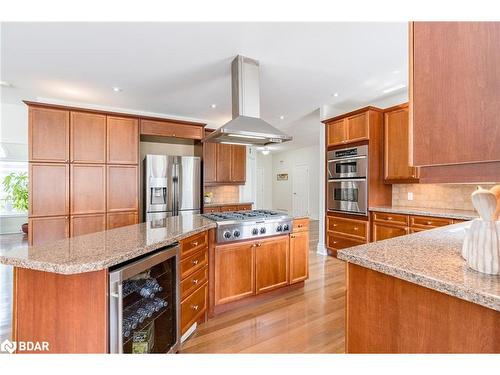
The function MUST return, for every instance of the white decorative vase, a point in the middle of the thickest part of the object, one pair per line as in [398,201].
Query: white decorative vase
[481,247]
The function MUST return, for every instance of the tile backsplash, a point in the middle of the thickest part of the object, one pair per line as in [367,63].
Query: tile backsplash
[435,195]
[224,193]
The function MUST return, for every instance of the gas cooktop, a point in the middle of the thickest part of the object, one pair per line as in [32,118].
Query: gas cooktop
[243,225]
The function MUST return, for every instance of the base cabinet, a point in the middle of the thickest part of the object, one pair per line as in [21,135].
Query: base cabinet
[271,264]
[299,256]
[385,231]
[345,232]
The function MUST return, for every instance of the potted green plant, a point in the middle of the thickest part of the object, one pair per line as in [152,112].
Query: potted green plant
[16,187]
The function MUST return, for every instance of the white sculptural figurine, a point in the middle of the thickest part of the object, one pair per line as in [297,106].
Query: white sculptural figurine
[481,248]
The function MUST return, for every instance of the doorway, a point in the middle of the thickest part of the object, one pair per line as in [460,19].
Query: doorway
[300,199]
[259,187]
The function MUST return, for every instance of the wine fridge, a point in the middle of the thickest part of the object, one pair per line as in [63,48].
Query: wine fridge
[144,304]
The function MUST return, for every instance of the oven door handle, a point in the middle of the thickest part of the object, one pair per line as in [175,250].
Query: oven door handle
[347,159]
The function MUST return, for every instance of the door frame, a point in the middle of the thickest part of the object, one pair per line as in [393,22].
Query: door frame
[294,179]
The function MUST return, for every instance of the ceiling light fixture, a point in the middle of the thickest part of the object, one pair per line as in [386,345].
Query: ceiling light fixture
[266,151]
[336,94]
[117,89]
[394,88]
[213,105]
[282,117]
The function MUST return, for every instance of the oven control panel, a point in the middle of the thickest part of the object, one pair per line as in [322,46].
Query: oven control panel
[249,230]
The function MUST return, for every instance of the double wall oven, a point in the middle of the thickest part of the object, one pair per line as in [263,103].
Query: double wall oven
[348,180]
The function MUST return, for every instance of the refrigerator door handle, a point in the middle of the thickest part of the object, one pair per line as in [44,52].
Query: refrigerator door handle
[176,190]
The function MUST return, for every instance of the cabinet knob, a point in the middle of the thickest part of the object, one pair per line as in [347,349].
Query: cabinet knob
[334,225]
[195,262]
[292,236]
[195,307]
[335,242]
[389,218]
[356,228]
[259,245]
[194,243]
[195,281]
[300,225]
[429,222]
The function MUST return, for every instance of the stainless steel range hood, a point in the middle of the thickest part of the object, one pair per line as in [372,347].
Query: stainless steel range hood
[246,127]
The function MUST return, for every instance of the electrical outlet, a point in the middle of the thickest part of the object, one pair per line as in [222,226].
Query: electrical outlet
[410,196]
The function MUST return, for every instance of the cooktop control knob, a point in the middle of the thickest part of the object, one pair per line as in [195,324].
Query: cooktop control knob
[255,231]
[262,230]
[279,228]
[286,227]
[236,233]
[227,235]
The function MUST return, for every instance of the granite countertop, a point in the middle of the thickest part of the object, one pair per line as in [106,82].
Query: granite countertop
[214,204]
[98,251]
[431,259]
[436,212]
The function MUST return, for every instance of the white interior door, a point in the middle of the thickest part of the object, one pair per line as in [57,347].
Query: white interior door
[300,199]
[259,184]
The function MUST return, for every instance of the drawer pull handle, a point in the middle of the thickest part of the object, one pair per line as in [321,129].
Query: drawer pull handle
[195,281]
[300,225]
[195,307]
[356,228]
[334,225]
[259,245]
[429,222]
[194,243]
[389,218]
[335,242]
[254,245]
[195,262]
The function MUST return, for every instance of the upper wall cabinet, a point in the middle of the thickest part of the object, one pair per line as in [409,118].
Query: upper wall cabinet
[224,164]
[209,162]
[48,135]
[455,96]
[396,146]
[88,138]
[351,128]
[122,140]
[171,129]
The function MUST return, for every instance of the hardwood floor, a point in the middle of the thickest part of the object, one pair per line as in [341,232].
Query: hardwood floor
[308,320]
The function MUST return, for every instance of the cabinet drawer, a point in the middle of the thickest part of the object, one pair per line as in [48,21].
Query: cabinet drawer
[209,210]
[397,219]
[228,208]
[429,222]
[171,129]
[194,243]
[385,231]
[336,242]
[193,307]
[193,263]
[191,283]
[351,227]
[244,207]
[300,225]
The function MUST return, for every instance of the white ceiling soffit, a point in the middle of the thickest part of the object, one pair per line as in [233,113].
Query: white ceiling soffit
[182,69]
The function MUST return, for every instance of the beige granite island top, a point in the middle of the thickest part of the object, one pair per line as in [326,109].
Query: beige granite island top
[431,259]
[98,251]
[420,211]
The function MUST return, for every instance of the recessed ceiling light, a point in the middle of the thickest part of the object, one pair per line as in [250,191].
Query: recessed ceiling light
[117,89]
[336,94]
[5,84]
[394,88]
[282,117]
[396,71]
[213,105]
[265,151]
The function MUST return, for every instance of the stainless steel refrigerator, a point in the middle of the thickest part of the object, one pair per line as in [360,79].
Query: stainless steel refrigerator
[172,186]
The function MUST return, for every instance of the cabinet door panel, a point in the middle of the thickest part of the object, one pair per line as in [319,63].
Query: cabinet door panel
[271,264]
[121,219]
[47,229]
[88,138]
[396,146]
[357,127]
[238,163]
[49,189]
[86,224]
[88,188]
[234,272]
[171,129]
[299,256]
[122,188]
[334,241]
[223,170]
[336,132]
[122,140]
[383,232]
[209,162]
[48,134]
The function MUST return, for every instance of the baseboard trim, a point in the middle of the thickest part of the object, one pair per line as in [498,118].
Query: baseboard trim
[321,249]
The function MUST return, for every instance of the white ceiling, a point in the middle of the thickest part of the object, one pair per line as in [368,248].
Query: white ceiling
[181,69]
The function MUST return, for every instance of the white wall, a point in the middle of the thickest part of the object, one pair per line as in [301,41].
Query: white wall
[282,191]
[265,162]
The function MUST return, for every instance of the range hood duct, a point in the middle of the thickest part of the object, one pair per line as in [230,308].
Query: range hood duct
[246,127]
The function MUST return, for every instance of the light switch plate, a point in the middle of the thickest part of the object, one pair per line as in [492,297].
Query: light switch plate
[410,196]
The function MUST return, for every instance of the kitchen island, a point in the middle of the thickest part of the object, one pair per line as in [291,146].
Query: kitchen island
[415,294]
[61,288]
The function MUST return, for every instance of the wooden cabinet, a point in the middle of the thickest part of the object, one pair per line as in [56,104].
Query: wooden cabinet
[193,307]
[121,219]
[454,100]
[224,164]
[383,231]
[351,128]
[88,189]
[88,138]
[48,189]
[122,188]
[171,129]
[396,146]
[299,256]
[47,229]
[209,210]
[85,224]
[427,222]
[234,271]
[344,232]
[48,135]
[122,140]
[227,208]
[244,207]
[209,162]
[271,264]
